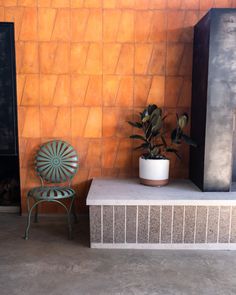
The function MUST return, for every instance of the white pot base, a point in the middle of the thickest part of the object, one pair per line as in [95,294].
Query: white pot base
[150,182]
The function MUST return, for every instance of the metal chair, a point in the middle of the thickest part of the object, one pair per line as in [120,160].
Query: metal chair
[56,162]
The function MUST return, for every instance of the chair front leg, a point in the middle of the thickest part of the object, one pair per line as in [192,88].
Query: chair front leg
[26,237]
[36,213]
[74,211]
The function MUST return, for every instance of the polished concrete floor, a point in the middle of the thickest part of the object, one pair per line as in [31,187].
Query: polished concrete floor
[49,264]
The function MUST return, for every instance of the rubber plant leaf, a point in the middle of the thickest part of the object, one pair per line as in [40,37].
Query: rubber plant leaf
[137,136]
[135,124]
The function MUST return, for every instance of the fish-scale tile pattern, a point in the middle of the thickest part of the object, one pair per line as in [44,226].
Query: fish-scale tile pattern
[85,67]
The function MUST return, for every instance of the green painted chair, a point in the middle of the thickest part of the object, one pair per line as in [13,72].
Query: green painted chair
[56,162]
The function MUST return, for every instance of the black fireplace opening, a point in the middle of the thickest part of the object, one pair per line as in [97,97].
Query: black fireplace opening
[9,151]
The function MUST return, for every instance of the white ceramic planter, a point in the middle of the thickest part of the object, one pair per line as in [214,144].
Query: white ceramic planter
[154,172]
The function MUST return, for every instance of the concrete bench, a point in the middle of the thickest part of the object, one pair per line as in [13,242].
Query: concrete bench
[126,214]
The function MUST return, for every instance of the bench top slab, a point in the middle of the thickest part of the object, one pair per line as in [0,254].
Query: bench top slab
[130,192]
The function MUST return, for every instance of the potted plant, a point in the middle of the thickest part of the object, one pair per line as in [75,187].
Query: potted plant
[154,163]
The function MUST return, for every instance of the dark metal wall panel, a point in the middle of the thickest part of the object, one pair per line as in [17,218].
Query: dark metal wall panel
[199,98]
[213,100]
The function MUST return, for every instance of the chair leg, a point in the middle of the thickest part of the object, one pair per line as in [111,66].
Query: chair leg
[71,208]
[26,237]
[36,214]
[74,212]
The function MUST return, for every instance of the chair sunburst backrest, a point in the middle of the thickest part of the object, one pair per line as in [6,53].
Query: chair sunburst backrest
[56,161]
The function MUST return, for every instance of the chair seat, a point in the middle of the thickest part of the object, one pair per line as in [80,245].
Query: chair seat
[51,192]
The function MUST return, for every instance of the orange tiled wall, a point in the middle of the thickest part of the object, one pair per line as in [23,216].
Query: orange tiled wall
[84,67]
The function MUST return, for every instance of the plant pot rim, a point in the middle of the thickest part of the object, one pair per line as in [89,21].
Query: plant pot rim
[141,157]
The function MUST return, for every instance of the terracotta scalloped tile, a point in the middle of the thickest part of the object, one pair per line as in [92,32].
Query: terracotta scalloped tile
[44,3]
[180,25]
[31,125]
[143,54]
[125,92]
[79,117]
[111,20]
[28,149]
[93,3]
[78,57]
[62,91]
[93,31]
[48,120]
[115,122]
[223,3]
[77,3]
[142,4]
[109,152]
[190,4]
[110,89]
[79,85]
[81,146]
[111,53]
[124,154]
[206,4]
[30,96]
[175,56]
[157,91]
[125,63]
[29,28]
[46,19]
[110,172]
[61,28]
[2,16]
[173,89]
[158,27]
[13,14]
[47,89]
[143,24]
[21,119]
[95,172]
[79,20]
[93,63]
[185,68]
[142,85]
[27,3]
[93,126]
[20,83]
[94,154]
[27,57]
[158,4]
[126,3]
[186,94]
[62,127]
[54,58]
[157,62]
[8,3]
[109,4]
[126,26]
[93,96]
[60,3]
[174,4]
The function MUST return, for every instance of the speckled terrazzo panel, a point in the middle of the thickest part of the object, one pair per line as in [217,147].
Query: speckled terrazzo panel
[166,221]
[143,216]
[119,229]
[201,223]
[95,223]
[131,216]
[154,225]
[233,226]
[189,224]
[213,219]
[224,224]
[107,224]
[177,235]
[163,224]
